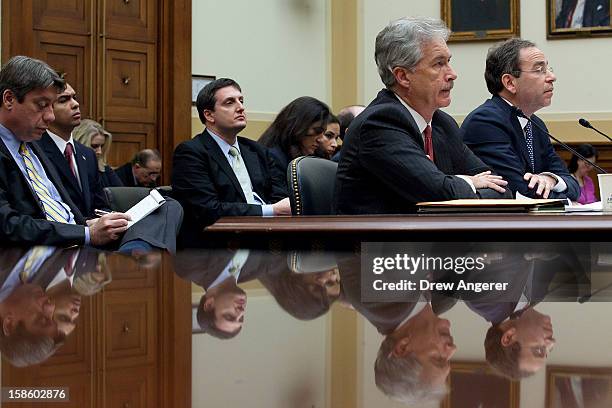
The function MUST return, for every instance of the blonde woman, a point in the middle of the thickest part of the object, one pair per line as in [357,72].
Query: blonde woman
[92,134]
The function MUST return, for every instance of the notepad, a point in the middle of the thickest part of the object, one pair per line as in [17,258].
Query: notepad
[145,207]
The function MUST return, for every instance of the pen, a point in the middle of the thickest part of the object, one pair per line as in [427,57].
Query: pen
[100,213]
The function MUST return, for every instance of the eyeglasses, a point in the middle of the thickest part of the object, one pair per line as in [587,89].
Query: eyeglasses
[540,70]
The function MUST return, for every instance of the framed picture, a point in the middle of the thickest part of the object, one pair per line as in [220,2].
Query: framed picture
[197,83]
[478,20]
[474,384]
[578,387]
[575,19]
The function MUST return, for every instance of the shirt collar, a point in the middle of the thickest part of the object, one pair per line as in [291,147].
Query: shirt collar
[225,147]
[523,121]
[420,121]
[61,143]
[9,139]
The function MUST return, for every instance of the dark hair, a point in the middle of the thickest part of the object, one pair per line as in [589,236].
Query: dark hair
[206,321]
[24,74]
[146,155]
[206,97]
[586,150]
[504,58]
[22,348]
[292,294]
[332,119]
[345,117]
[505,360]
[292,123]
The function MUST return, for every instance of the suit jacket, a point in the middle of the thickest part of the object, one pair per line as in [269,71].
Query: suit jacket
[89,196]
[383,168]
[596,13]
[125,175]
[494,133]
[205,184]
[22,218]
[108,178]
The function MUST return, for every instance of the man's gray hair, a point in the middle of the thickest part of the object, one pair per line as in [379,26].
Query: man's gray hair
[24,74]
[400,44]
[400,378]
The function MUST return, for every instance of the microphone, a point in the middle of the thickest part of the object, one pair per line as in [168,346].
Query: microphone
[588,125]
[520,113]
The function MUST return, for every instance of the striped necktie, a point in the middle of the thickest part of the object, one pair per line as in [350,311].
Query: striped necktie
[54,211]
[242,175]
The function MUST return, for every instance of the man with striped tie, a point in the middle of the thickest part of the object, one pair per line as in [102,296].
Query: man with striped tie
[504,131]
[35,208]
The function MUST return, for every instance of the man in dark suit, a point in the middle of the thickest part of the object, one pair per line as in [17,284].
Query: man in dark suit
[591,13]
[402,149]
[35,208]
[75,163]
[218,173]
[519,78]
[142,171]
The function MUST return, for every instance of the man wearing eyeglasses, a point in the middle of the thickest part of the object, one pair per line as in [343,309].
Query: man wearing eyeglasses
[505,133]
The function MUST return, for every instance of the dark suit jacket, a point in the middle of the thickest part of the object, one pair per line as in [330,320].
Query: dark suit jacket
[108,178]
[90,195]
[383,167]
[494,133]
[205,184]
[22,219]
[125,175]
[596,13]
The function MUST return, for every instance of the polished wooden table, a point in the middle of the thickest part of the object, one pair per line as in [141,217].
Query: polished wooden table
[333,230]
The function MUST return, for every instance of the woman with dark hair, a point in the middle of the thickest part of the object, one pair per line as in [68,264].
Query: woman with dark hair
[329,142]
[580,171]
[297,130]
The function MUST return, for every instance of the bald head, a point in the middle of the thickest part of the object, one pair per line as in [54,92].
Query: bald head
[346,116]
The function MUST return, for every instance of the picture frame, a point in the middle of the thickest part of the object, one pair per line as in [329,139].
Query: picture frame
[564,21]
[197,83]
[474,384]
[585,386]
[481,20]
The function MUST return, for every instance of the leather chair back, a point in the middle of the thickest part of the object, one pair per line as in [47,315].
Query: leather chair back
[122,199]
[311,185]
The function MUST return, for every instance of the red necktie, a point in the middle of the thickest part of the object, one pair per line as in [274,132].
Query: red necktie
[428,143]
[68,153]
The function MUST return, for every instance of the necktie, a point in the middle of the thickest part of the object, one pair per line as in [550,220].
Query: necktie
[529,140]
[428,143]
[242,175]
[54,211]
[35,254]
[68,153]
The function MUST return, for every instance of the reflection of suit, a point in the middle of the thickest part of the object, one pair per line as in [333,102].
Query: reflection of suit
[203,267]
[384,170]
[205,184]
[596,13]
[494,133]
[89,196]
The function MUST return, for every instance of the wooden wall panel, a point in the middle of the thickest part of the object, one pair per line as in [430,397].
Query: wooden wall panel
[134,20]
[70,55]
[62,16]
[128,138]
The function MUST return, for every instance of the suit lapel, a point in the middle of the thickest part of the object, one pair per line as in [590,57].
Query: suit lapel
[442,160]
[54,177]
[252,164]
[215,152]
[81,162]
[518,135]
[53,153]
[412,128]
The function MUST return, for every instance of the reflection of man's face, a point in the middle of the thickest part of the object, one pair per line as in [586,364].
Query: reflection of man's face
[329,280]
[433,347]
[534,332]
[29,305]
[229,306]
[67,308]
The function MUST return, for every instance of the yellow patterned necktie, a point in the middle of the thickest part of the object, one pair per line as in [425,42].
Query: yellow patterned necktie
[54,211]
[35,254]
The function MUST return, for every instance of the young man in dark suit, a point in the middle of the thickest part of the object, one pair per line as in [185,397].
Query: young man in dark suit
[75,163]
[402,149]
[505,132]
[218,173]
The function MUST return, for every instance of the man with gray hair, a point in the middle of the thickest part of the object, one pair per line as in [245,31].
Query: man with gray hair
[402,149]
[505,132]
